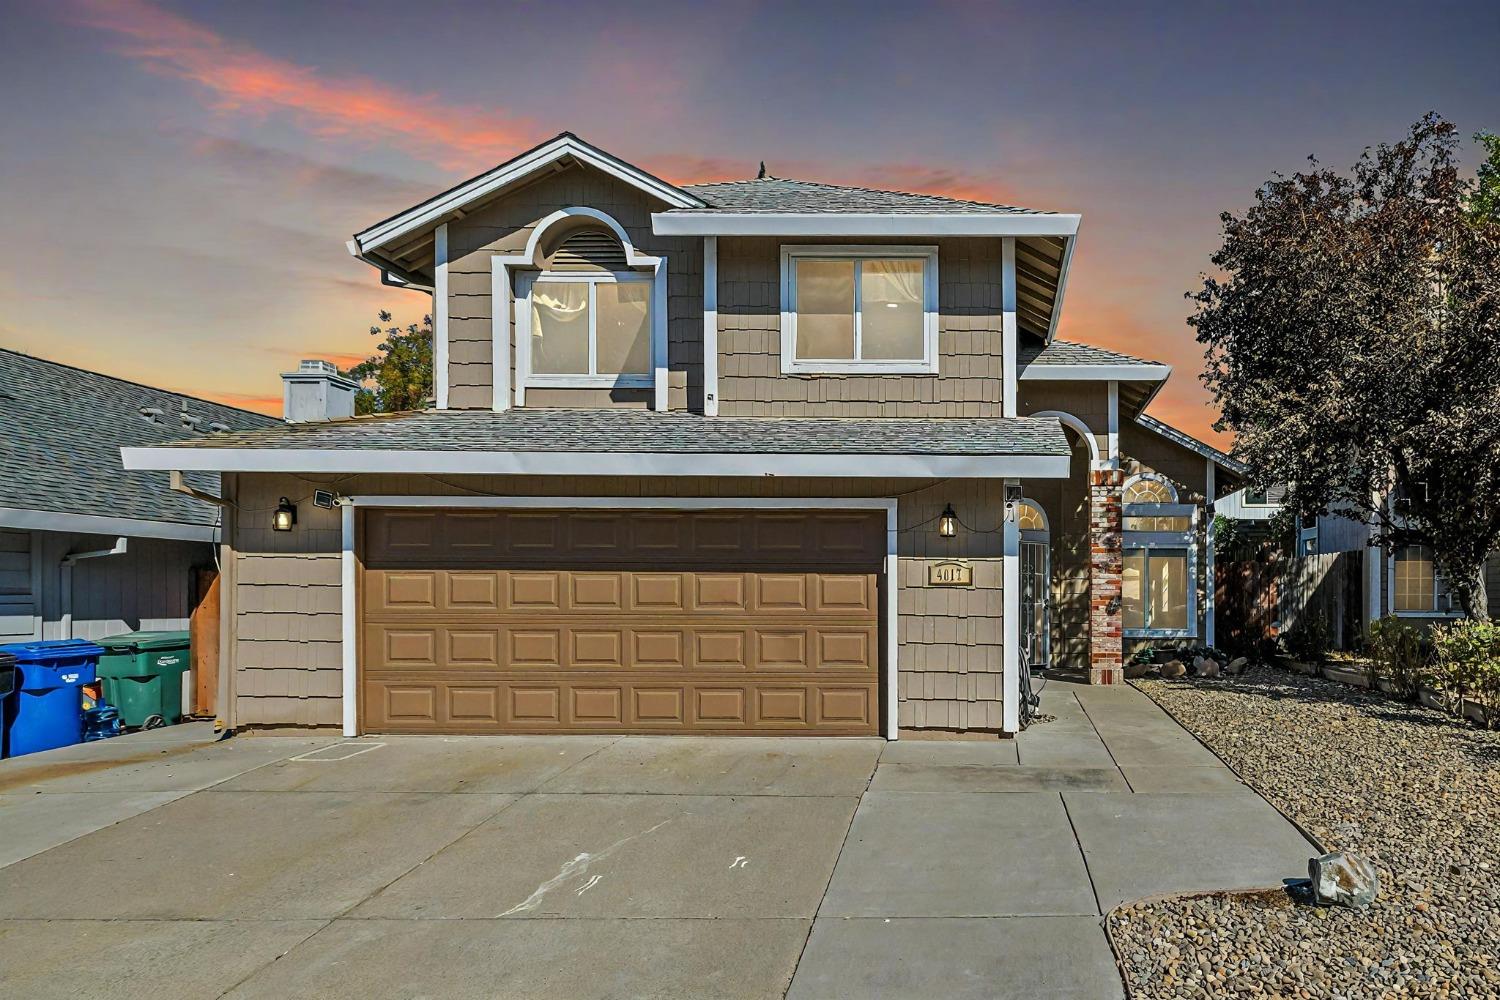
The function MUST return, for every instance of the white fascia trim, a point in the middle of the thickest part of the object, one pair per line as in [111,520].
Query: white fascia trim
[710,326]
[1009,331]
[1062,285]
[532,463]
[1095,373]
[860,224]
[92,524]
[430,211]
[349,598]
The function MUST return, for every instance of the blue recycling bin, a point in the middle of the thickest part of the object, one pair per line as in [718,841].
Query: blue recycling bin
[46,709]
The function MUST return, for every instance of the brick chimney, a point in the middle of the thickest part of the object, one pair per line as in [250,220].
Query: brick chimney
[316,391]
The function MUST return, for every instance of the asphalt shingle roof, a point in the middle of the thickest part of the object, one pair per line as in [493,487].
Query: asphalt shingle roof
[779,194]
[1061,352]
[62,430]
[638,431]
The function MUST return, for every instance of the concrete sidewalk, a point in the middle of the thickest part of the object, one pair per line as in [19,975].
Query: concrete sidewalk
[615,867]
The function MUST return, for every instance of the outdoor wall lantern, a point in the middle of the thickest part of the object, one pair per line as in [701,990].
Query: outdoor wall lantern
[948,522]
[285,516]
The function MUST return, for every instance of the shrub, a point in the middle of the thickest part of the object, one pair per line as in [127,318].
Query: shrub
[1468,663]
[1309,637]
[1399,655]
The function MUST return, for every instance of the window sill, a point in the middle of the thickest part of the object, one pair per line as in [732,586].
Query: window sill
[588,382]
[1161,633]
[857,368]
[1428,614]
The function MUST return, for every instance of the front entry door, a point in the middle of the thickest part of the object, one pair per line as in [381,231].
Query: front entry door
[1036,585]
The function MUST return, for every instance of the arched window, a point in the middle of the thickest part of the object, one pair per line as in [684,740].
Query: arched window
[1029,517]
[1159,588]
[1149,488]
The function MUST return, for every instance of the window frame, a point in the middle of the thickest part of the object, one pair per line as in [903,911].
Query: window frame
[593,379]
[1152,541]
[792,365]
[1440,591]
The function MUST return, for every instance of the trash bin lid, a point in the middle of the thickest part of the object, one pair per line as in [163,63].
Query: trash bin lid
[141,641]
[51,649]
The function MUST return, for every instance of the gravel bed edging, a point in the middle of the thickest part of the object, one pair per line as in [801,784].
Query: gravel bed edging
[1413,789]
[1162,897]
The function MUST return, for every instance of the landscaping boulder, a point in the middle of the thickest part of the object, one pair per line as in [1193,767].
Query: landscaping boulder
[1173,669]
[1208,668]
[1343,879]
[1237,665]
[1136,669]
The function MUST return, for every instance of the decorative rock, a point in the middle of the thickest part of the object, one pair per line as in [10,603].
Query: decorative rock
[1343,879]
[1208,668]
[1135,671]
[1237,665]
[1173,669]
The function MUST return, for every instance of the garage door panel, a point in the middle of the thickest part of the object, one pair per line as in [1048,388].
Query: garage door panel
[596,593]
[552,621]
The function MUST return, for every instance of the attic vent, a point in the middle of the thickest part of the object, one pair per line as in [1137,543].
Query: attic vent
[218,428]
[589,250]
[152,414]
[191,422]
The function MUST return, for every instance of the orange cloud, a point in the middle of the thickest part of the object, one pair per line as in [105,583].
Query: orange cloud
[245,79]
[269,405]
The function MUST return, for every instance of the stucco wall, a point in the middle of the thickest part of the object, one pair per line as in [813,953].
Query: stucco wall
[286,621]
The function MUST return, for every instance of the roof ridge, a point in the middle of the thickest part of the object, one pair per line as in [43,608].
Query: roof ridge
[138,385]
[861,187]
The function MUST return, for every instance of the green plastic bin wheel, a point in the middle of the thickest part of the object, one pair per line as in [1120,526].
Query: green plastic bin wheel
[142,676]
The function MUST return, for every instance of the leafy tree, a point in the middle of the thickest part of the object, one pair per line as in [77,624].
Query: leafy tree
[399,377]
[1352,338]
[1484,206]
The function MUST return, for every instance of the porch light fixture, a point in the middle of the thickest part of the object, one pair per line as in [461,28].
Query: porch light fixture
[948,522]
[285,516]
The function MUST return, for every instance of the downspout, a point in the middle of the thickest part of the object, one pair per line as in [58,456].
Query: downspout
[65,587]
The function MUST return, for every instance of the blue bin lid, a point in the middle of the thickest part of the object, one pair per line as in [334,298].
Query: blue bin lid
[52,649]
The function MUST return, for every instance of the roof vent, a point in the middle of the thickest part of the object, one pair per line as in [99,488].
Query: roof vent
[152,414]
[215,427]
[589,250]
[191,422]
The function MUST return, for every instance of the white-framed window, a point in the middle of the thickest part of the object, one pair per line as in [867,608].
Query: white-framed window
[1417,588]
[1159,590]
[864,309]
[586,328]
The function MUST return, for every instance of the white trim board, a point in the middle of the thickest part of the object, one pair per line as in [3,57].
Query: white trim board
[710,223]
[1144,372]
[532,463]
[509,172]
[349,598]
[93,524]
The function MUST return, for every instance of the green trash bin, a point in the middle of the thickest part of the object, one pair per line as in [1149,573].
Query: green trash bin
[142,676]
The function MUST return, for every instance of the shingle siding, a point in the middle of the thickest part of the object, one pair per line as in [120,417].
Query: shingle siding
[504,226]
[970,341]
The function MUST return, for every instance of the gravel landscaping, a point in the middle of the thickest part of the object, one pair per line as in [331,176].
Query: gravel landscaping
[1415,791]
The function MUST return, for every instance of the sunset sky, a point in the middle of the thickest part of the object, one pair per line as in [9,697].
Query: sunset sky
[177,180]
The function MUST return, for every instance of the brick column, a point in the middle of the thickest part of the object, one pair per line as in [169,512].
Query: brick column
[1106,566]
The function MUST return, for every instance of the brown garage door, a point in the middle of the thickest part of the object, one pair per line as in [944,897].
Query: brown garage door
[621,621]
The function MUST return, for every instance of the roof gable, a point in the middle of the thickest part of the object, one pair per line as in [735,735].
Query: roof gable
[518,168]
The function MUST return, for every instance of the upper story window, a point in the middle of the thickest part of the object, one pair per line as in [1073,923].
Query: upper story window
[587,328]
[859,310]
[1159,595]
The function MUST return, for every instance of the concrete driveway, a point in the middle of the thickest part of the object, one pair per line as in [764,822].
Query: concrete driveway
[163,865]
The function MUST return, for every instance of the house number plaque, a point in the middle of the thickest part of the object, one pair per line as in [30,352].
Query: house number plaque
[950,573]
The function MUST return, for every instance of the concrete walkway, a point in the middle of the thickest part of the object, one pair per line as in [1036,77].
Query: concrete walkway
[614,867]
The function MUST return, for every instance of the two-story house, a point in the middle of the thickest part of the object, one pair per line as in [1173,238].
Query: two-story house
[764,456]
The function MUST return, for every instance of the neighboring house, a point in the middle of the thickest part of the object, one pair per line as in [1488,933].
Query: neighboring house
[765,456]
[1402,580]
[87,549]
